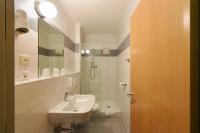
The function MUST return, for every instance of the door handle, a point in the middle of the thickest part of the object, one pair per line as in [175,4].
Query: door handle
[131,97]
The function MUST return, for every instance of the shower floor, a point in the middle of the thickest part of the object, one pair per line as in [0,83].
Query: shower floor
[107,109]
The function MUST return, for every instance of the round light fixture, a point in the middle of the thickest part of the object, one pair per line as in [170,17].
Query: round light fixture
[82,51]
[87,51]
[45,9]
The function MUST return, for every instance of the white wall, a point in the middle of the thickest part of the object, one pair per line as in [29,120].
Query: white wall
[63,21]
[104,85]
[78,41]
[123,75]
[33,100]
[123,67]
[124,27]
[27,43]
[32,103]
[100,41]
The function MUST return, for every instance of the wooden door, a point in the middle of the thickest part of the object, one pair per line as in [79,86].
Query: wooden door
[160,64]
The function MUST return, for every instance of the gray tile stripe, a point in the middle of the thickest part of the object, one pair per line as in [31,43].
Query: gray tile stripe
[124,45]
[48,52]
[113,52]
[99,52]
[68,43]
[77,47]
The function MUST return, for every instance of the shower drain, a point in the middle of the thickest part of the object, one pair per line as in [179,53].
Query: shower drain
[108,106]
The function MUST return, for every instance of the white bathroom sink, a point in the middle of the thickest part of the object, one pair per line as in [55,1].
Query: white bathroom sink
[79,113]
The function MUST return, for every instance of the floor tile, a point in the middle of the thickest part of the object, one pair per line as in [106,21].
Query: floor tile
[102,125]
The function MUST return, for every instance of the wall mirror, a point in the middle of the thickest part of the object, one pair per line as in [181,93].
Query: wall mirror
[50,50]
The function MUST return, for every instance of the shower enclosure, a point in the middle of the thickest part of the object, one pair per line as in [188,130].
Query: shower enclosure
[98,77]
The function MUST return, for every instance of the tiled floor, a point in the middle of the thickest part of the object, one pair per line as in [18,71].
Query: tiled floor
[102,125]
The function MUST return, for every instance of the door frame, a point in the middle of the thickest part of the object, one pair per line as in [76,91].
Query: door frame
[2,66]
[194,65]
[10,67]
[7,37]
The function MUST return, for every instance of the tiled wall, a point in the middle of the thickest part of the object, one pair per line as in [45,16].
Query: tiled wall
[27,44]
[104,85]
[69,62]
[61,21]
[123,69]
[75,83]
[33,100]
[123,75]
[47,56]
[32,103]
[100,41]
[112,69]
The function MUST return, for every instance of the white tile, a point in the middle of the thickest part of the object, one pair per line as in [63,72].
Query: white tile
[124,75]
[32,66]
[35,99]
[29,96]
[107,129]
[32,121]
[28,42]
[97,129]
[103,125]
[43,39]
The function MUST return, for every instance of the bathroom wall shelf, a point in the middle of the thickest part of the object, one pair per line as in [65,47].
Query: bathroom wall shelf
[39,79]
[33,80]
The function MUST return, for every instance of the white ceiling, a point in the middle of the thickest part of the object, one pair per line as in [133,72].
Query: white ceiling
[96,16]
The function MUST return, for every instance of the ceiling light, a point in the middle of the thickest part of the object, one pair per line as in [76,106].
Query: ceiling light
[45,9]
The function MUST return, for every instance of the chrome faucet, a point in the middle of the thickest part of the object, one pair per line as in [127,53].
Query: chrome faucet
[66,95]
